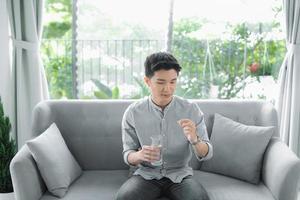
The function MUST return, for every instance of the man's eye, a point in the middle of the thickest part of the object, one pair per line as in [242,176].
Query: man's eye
[160,83]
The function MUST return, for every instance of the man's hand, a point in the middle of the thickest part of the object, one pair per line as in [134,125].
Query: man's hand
[147,154]
[189,129]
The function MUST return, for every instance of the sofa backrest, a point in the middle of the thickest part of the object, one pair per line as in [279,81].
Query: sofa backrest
[92,128]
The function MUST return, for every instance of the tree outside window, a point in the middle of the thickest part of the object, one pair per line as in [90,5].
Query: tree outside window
[220,59]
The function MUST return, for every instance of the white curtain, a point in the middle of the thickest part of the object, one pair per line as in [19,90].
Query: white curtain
[29,81]
[289,78]
[5,68]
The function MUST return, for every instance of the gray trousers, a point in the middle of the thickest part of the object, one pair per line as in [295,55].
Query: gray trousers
[137,188]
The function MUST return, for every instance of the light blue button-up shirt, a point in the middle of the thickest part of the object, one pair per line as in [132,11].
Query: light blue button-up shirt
[144,119]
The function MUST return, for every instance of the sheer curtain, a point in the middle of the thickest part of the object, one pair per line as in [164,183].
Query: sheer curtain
[289,77]
[28,76]
[5,68]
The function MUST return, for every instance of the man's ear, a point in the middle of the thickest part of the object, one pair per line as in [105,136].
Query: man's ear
[147,81]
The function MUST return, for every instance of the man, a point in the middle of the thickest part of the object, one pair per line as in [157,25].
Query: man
[181,126]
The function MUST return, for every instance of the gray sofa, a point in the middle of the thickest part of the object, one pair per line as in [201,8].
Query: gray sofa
[92,131]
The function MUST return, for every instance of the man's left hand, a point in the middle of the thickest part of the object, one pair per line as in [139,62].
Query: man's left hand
[189,129]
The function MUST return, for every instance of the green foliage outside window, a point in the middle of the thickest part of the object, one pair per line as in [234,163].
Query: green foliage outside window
[215,64]
[57,49]
[227,59]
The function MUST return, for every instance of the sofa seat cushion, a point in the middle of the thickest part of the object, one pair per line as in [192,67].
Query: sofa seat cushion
[94,185]
[104,184]
[221,187]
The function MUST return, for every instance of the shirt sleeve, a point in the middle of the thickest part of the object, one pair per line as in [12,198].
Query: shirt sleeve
[198,118]
[129,136]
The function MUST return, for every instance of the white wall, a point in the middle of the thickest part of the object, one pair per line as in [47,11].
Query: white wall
[6,81]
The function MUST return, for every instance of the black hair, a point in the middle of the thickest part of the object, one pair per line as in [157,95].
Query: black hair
[160,60]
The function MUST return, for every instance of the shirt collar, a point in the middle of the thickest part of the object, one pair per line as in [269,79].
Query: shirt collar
[156,107]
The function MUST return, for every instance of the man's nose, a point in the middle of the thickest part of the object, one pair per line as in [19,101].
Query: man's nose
[167,87]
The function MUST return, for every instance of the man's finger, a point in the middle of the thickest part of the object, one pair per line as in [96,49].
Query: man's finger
[147,147]
[187,124]
[182,122]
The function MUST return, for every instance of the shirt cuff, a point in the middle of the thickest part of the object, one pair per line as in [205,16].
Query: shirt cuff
[209,154]
[125,156]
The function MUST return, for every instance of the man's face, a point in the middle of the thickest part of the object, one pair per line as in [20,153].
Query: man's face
[162,86]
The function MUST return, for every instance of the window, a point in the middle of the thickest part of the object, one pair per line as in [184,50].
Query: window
[230,49]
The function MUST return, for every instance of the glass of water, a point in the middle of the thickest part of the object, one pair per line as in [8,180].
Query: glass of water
[156,141]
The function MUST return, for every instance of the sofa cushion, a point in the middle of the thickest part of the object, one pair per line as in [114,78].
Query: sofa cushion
[95,185]
[221,187]
[54,160]
[104,184]
[238,149]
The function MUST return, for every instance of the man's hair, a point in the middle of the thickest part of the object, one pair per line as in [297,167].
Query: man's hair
[160,60]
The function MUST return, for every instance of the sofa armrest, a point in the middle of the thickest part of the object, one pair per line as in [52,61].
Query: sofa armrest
[27,181]
[281,170]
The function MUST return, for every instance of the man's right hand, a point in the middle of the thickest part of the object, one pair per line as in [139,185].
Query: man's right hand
[147,154]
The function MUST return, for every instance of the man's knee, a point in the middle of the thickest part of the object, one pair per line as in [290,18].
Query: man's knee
[189,189]
[199,194]
[125,194]
[128,191]
[136,188]
[194,196]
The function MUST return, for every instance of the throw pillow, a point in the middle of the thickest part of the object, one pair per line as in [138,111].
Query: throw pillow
[56,164]
[238,149]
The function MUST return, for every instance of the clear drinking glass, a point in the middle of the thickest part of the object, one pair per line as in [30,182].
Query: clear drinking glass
[156,141]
